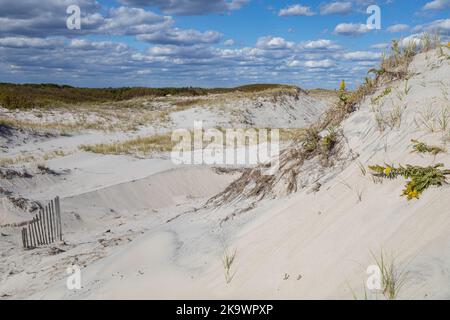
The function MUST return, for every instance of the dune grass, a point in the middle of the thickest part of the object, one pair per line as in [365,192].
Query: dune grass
[392,278]
[135,146]
[228,260]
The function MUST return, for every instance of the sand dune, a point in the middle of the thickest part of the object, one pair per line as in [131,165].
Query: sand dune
[142,228]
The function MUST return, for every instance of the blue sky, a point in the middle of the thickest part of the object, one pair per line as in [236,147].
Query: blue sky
[205,43]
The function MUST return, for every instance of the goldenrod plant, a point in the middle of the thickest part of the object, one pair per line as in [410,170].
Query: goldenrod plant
[420,178]
[343,94]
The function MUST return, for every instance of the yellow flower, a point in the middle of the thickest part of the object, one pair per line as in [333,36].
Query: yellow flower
[413,194]
[387,171]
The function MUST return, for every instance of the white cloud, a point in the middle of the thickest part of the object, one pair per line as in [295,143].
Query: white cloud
[351,29]
[437,5]
[82,44]
[441,26]
[327,63]
[124,20]
[296,10]
[294,63]
[414,38]
[336,8]
[25,42]
[380,46]
[361,55]
[269,42]
[320,44]
[397,28]
[181,37]
[189,7]
[229,42]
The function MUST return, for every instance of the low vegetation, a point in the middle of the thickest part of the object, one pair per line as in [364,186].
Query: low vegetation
[392,278]
[227,262]
[136,146]
[421,147]
[420,178]
[434,120]
[27,96]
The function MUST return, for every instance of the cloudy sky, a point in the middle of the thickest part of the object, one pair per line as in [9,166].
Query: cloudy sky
[210,43]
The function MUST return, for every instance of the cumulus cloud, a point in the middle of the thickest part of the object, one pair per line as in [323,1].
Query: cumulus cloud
[320,44]
[380,46]
[49,19]
[336,8]
[351,29]
[361,55]
[27,18]
[270,42]
[296,10]
[327,63]
[229,42]
[397,28]
[437,5]
[441,26]
[181,37]
[25,42]
[189,7]
[132,21]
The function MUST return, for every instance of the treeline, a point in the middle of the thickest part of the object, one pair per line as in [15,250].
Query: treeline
[23,96]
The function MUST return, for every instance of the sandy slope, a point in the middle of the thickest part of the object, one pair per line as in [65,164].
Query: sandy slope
[306,245]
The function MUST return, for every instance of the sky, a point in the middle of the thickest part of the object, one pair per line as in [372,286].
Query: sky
[206,43]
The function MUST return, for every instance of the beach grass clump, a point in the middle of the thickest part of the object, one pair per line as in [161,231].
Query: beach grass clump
[310,140]
[228,260]
[385,92]
[432,120]
[329,140]
[421,147]
[418,178]
[135,146]
[392,278]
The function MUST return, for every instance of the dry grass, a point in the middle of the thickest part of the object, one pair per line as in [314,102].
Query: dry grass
[392,278]
[118,116]
[292,134]
[136,146]
[8,161]
[228,260]
[32,158]
[390,119]
[434,120]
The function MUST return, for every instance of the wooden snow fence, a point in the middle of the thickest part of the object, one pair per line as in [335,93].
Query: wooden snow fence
[45,228]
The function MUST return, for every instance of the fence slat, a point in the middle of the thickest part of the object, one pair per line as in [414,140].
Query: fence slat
[52,227]
[33,227]
[55,228]
[26,237]
[23,238]
[38,228]
[30,232]
[58,208]
[41,227]
[47,221]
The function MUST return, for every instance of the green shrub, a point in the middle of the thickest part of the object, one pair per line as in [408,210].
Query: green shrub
[420,178]
[421,147]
